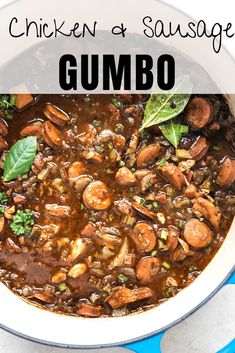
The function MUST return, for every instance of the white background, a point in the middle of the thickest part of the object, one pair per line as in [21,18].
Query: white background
[211,12]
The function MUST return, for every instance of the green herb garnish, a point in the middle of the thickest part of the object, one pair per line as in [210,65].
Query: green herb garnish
[63,287]
[2,210]
[161,162]
[216,148]
[7,103]
[164,234]
[22,222]
[166,265]
[87,99]
[99,149]
[111,217]
[116,103]
[110,146]
[119,129]
[3,197]
[122,164]
[96,123]
[20,158]
[122,278]
[181,224]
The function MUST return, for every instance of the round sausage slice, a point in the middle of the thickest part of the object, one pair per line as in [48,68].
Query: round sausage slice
[142,211]
[52,135]
[96,196]
[144,237]
[148,155]
[199,112]
[147,268]
[199,149]
[173,175]
[56,115]
[227,173]
[197,233]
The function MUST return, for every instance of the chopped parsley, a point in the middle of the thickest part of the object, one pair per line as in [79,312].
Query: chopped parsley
[3,197]
[161,162]
[7,103]
[166,265]
[116,103]
[119,129]
[96,123]
[22,222]
[2,210]
[63,287]
[122,164]
[155,204]
[122,278]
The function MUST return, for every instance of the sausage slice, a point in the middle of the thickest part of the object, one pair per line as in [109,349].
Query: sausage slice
[147,268]
[205,208]
[51,135]
[96,196]
[197,233]
[173,175]
[199,112]
[144,237]
[148,155]
[121,296]
[227,173]
[199,149]
[32,130]
[143,211]
[56,115]
[88,310]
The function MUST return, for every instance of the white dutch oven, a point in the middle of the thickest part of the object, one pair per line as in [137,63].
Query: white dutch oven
[29,321]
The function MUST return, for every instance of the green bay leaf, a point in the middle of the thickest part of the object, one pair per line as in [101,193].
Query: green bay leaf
[173,132]
[163,107]
[20,158]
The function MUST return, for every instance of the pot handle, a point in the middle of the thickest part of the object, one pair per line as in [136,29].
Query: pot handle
[153,344]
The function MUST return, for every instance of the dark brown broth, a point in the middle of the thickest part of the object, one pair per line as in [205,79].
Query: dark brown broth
[34,268]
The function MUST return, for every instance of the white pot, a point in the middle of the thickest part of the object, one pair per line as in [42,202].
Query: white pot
[29,321]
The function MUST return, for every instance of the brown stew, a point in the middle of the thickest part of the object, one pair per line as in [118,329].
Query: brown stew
[110,220]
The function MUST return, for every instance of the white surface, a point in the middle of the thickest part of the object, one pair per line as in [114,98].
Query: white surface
[217,319]
[198,9]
